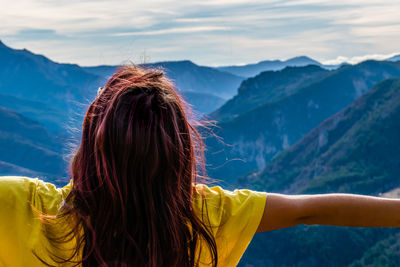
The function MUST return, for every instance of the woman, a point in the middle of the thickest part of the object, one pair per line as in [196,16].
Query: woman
[134,200]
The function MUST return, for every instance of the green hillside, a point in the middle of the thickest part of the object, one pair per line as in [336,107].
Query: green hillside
[384,253]
[356,150]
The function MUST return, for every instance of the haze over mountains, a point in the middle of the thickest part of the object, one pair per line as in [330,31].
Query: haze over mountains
[27,148]
[292,126]
[251,70]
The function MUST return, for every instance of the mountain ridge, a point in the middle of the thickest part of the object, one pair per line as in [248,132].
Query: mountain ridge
[187,76]
[252,69]
[267,87]
[257,135]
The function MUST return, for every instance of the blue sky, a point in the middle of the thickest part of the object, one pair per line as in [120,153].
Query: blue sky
[219,32]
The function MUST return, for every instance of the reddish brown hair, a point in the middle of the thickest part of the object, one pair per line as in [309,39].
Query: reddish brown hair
[133,176]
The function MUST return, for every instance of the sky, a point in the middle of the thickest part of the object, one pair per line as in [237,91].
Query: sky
[214,33]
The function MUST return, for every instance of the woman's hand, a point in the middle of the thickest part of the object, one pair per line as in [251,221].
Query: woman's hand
[283,211]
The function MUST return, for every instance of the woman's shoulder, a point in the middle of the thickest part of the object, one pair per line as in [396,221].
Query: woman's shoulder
[22,201]
[20,190]
[14,189]
[223,205]
[216,194]
[232,216]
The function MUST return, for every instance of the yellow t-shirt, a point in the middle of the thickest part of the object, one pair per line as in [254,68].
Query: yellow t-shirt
[235,217]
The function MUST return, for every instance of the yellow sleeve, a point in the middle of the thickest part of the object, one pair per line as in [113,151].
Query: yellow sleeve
[18,228]
[21,200]
[234,217]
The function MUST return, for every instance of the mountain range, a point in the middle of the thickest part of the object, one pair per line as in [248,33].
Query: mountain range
[68,88]
[252,138]
[267,87]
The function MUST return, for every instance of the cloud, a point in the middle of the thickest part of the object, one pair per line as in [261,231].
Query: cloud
[357,59]
[173,31]
[38,34]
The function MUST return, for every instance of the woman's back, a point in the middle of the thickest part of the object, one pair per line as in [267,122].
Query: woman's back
[133,176]
[232,217]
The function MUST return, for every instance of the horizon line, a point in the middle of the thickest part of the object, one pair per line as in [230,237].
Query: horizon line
[329,62]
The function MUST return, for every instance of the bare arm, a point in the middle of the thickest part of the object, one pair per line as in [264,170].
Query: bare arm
[329,209]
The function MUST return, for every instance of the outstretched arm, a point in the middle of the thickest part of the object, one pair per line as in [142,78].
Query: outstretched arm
[329,209]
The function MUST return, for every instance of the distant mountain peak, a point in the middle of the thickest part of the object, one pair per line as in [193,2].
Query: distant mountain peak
[267,61]
[301,58]
[185,61]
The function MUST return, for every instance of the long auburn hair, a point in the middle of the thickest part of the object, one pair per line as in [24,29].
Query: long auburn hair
[133,176]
